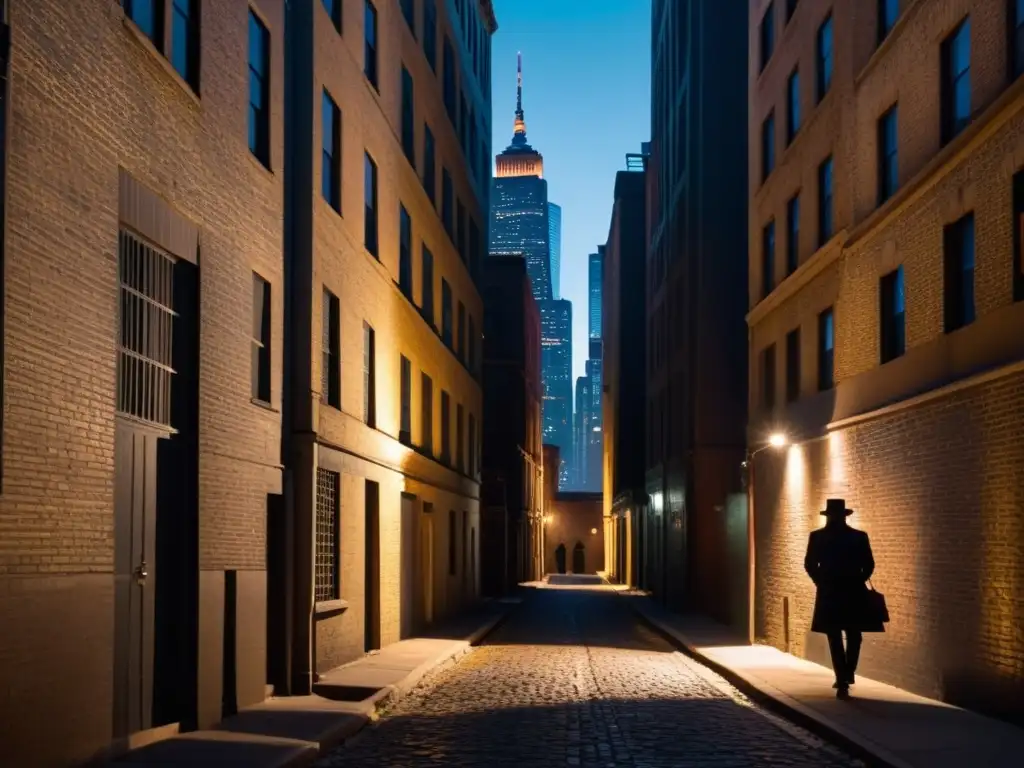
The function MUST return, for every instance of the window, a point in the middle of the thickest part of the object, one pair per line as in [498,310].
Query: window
[148,16]
[405,422]
[369,376]
[893,312]
[330,342]
[427,300]
[768,145]
[959,277]
[956,81]
[790,8]
[462,331]
[768,377]
[767,35]
[326,581]
[259,90]
[330,165]
[471,344]
[460,458]
[370,207]
[370,44]
[793,106]
[825,201]
[408,124]
[826,350]
[404,252]
[409,12]
[472,445]
[793,234]
[767,259]
[888,175]
[429,164]
[824,58]
[430,33]
[447,203]
[1017,38]
[450,99]
[1018,237]
[446,428]
[427,414]
[452,545]
[260,360]
[185,40]
[333,8]
[793,365]
[888,11]
[446,313]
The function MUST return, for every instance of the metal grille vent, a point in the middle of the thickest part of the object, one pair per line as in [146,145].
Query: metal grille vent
[144,371]
[326,565]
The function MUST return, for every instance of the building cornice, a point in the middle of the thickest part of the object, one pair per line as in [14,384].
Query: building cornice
[487,13]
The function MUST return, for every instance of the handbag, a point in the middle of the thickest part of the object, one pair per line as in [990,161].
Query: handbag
[875,607]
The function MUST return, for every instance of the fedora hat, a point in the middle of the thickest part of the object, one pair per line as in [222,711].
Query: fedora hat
[834,507]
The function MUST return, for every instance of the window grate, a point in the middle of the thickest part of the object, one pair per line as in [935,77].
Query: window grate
[326,566]
[144,366]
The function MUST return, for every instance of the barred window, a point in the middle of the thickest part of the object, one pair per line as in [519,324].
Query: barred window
[144,369]
[326,584]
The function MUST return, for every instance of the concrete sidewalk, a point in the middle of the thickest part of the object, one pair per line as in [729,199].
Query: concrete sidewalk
[291,731]
[886,725]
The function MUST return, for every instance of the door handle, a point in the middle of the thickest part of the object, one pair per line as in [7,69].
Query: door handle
[141,573]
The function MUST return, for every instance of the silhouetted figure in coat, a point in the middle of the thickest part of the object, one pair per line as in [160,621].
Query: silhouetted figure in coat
[839,562]
[560,558]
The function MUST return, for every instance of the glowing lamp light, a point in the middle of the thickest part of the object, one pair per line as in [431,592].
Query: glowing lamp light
[593,531]
[777,440]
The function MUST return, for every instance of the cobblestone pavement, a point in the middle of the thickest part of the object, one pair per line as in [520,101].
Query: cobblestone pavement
[573,679]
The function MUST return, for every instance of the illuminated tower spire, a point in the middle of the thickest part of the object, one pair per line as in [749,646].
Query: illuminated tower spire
[519,131]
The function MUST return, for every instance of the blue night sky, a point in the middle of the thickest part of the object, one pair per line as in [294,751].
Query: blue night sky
[586,95]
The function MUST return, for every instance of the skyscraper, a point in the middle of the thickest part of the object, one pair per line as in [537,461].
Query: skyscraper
[555,247]
[594,268]
[556,367]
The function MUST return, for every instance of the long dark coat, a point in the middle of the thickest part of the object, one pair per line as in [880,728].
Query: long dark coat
[839,562]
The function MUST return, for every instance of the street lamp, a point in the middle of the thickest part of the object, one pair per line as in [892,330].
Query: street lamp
[775,440]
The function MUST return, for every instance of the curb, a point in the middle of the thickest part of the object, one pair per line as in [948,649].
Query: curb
[781,703]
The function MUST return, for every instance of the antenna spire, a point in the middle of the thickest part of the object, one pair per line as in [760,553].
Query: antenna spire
[519,130]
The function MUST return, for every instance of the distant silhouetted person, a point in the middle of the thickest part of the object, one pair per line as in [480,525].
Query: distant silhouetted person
[560,558]
[839,562]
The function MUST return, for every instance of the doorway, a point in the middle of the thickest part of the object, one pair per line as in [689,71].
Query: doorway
[372,605]
[408,565]
[426,550]
[579,558]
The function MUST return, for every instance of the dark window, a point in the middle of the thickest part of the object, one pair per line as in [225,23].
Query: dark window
[450,97]
[793,234]
[148,16]
[327,582]
[793,106]
[404,252]
[768,145]
[790,8]
[460,447]
[793,365]
[461,352]
[888,173]
[446,313]
[185,40]
[259,90]
[956,81]
[408,118]
[330,165]
[333,8]
[405,425]
[330,335]
[888,12]
[824,58]
[768,377]
[446,428]
[894,315]
[370,44]
[767,259]
[260,360]
[447,203]
[427,414]
[826,350]
[452,533]
[472,445]
[427,301]
[430,33]
[471,345]
[767,35]
[825,201]
[369,375]
[429,164]
[370,204]
[959,268]
[409,12]
[1018,237]
[1017,37]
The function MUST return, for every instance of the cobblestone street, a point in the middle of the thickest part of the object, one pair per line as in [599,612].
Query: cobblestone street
[573,679]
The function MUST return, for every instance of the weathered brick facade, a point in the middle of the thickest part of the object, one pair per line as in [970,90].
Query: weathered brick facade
[925,447]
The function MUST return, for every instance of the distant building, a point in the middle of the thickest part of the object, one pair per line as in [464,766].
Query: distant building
[573,532]
[595,268]
[580,427]
[556,365]
[555,247]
